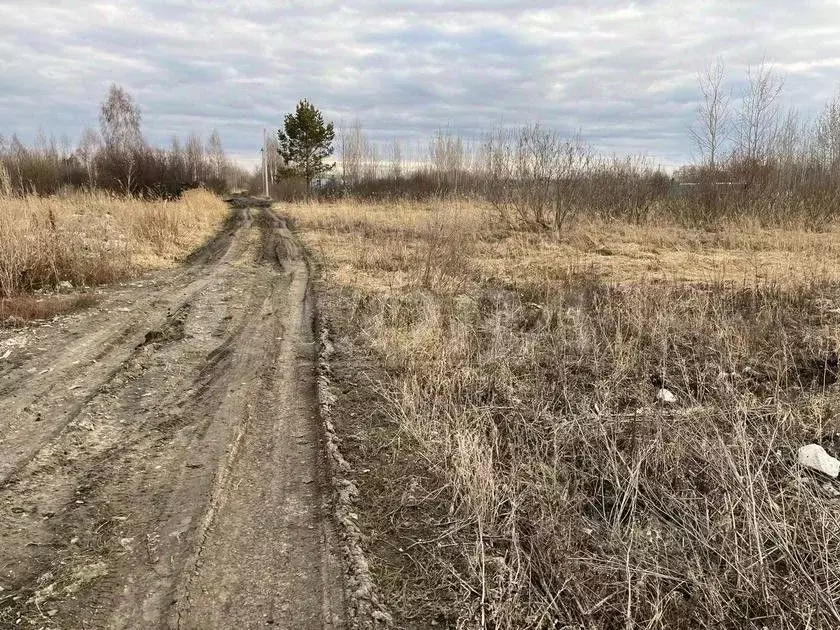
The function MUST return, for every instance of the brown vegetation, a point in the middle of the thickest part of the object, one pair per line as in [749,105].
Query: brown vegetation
[90,239]
[24,308]
[505,338]
[500,410]
[756,162]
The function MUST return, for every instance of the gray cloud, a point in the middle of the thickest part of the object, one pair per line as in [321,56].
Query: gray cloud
[624,74]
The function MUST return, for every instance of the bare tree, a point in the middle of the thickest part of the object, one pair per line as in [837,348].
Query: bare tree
[788,141]
[711,130]
[216,154]
[535,177]
[354,150]
[194,154]
[396,167]
[41,144]
[89,146]
[176,157]
[119,118]
[446,156]
[370,161]
[758,118]
[65,146]
[826,140]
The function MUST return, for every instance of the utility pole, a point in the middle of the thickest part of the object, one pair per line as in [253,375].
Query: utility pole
[265,161]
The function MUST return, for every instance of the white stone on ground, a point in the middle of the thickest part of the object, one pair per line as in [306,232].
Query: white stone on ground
[666,396]
[813,456]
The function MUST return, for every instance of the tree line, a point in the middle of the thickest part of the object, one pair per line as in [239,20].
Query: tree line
[116,158]
[754,158]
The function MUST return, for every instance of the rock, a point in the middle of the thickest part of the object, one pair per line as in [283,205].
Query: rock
[666,396]
[65,286]
[814,457]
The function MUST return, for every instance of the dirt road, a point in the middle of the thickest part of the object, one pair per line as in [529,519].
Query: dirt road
[160,456]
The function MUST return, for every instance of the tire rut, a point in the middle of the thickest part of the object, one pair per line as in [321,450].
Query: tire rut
[160,496]
[63,384]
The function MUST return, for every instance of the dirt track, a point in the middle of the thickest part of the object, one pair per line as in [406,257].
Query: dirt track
[160,456]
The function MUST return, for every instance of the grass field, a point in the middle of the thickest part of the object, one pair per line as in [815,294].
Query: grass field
[91,239]
[499,391]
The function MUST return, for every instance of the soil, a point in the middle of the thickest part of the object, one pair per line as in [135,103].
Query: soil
[403,526]
[161,461]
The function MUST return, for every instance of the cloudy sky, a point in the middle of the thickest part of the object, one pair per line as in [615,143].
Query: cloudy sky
[622,73]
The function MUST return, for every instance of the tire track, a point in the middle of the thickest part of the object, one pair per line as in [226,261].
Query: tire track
[23,398]
[160,497]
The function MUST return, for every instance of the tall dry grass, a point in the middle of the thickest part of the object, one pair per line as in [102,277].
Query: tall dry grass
[89,239]
[523,380]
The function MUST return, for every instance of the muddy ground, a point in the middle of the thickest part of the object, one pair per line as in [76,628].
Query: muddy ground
[161,456]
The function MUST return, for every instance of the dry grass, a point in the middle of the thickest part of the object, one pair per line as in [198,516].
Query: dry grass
[523,377]
[89,239]
[23,308]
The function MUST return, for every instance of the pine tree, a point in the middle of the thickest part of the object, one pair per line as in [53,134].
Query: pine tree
[304,143]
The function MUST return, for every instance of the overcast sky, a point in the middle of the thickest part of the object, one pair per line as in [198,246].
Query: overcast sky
[623,73]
